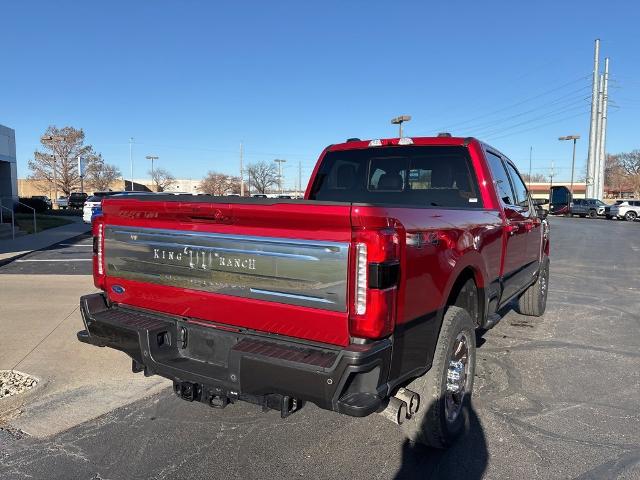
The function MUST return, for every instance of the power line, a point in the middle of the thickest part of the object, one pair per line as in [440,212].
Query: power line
[517,104]
[556,101]
[553,113]
[539,126]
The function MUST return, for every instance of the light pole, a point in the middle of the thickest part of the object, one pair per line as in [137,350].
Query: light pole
[81,173]
[399,121]
[280,162]
[49,139]
[573,161]
[131,160]
[152,158]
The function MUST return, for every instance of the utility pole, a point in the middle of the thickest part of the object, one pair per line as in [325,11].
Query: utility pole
[152,158]
[596,171]
[530,156]
[551,173]
[280,162]
[603,131]
[241,173]
[131,160]
[591,159]
[299,176]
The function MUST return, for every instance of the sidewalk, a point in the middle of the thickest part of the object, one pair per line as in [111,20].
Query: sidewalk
[12,249]
[76,382]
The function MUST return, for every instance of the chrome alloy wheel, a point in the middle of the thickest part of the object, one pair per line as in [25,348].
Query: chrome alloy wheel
[543,284]
[457,373]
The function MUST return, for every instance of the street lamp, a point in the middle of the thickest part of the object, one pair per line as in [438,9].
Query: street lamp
[399,121]
[152,158]
[573,161]
[48,139]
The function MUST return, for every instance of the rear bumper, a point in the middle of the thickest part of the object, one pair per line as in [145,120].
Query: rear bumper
[216,364]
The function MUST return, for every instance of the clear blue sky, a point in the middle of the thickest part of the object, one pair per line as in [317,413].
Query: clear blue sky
[189,80]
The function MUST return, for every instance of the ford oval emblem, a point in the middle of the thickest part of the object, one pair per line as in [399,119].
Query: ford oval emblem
[117,289]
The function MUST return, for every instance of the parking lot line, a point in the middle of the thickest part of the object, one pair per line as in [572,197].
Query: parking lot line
[55,260]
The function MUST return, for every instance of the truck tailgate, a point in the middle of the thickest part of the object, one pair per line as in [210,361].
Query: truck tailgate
[274,267]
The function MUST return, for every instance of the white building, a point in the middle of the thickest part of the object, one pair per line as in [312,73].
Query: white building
[8,166]
[181,185]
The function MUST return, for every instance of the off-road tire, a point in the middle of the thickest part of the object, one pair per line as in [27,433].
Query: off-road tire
[533,302]
[630,216]
[430,426]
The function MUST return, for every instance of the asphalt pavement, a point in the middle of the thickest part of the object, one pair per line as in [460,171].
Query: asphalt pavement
[69,257]
[555,397]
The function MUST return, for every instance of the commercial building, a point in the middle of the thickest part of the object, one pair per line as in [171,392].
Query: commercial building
[541,189]
[8,166]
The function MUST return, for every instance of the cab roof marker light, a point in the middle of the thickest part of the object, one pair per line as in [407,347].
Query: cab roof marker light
[375,143]
[405,141]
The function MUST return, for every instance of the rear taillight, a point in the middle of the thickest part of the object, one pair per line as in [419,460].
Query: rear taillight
[375,283]
[98,252]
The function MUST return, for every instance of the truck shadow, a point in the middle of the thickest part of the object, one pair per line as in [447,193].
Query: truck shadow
[467,458]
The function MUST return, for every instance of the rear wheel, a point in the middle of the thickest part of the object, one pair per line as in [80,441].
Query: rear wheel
[533,301]
[630,216]
[445,390]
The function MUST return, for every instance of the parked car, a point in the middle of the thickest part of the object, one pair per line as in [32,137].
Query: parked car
[77,199]
[587,207]
[62,202]
[43,198]
[362,298]
[627,209]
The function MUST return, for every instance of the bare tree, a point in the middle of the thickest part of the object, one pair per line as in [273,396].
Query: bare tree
[99,175]
[535,177]
[60,150]
[216,183]
[162,179]
[623,170]
[262,176]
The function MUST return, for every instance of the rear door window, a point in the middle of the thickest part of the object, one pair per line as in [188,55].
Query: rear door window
[520,189]
[501,179]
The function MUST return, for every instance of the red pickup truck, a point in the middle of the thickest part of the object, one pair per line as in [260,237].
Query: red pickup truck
[364,297]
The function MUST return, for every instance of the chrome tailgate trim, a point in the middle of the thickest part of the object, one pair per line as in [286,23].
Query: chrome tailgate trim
[306,273]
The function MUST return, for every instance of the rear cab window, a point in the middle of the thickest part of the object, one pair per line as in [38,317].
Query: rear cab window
[419,176]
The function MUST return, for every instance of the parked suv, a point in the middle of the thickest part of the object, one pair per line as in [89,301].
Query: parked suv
[587,207]
[627,209]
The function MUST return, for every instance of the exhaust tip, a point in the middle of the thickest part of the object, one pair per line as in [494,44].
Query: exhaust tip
[412,399]
[395,411]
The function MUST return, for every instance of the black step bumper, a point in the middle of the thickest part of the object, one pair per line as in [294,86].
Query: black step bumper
[216,364]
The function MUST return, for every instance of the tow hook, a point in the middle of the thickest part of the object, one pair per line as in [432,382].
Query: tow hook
[186,390]
[219,401]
